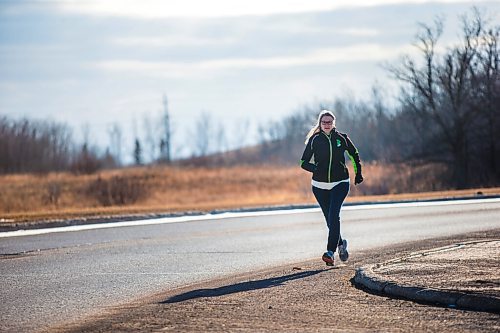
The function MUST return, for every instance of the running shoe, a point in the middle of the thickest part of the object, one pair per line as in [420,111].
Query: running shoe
[343,254]
[328,258]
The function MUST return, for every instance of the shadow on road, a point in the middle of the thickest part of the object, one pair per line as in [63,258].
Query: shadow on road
[239,287]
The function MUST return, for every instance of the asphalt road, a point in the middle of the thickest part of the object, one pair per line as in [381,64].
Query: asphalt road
[48,279]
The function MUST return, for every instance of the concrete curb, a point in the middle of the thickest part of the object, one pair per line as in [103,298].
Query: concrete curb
[366,277]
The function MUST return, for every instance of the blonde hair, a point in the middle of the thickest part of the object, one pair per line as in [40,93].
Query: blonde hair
[316,128]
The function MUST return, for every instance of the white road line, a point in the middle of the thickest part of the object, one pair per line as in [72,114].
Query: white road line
[227,215]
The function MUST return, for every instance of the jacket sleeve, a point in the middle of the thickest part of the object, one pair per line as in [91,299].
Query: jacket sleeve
[305,161]
[353,155]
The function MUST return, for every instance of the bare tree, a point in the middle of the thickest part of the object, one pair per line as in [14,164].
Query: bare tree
[487,98]
[86,159]
[137,152]
[150,137]
[203,134]
[166,141]
[115,140]
[239,133]
[220,138]
[441,96]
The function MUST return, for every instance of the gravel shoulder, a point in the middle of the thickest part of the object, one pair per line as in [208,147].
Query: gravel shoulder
[296,297]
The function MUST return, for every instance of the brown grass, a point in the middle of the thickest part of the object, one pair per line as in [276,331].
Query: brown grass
[173,189]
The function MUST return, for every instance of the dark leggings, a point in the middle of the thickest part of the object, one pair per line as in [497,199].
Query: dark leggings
[330,202]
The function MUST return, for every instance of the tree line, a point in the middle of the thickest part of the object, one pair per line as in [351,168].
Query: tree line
[40,146]
[36,146]
[447,112]
[28,146]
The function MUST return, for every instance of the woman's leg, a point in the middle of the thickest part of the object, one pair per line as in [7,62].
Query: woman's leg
[323,199]
[337,197]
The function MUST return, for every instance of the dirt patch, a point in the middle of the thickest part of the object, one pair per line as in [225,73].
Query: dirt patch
[471,268]
[298,297]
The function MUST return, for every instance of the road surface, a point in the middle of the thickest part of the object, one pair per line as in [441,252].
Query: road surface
[67,274]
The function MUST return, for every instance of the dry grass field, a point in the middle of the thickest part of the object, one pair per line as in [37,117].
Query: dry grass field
[163,189]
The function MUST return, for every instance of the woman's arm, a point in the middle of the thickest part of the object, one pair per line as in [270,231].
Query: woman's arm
[354,156]
[305,161]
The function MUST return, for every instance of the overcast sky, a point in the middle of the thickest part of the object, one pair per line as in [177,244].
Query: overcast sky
[103,62]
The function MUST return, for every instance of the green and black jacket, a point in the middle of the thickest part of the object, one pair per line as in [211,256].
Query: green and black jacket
[328,164]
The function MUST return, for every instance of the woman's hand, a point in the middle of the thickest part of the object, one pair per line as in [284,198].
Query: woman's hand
[358,179]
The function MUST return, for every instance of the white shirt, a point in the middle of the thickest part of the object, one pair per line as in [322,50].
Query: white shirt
[327,186]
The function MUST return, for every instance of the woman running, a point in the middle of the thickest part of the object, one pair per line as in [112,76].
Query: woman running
[324,157]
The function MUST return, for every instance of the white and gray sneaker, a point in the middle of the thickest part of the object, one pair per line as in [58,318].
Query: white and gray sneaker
[343,254]
[328,258]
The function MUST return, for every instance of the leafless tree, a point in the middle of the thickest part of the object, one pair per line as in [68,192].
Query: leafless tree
[137,152]
[442,95]
[203,134]
[487,97]
[86,159]
[152,137]
[239,133]
[220,138]
[115,140]
[166,141]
